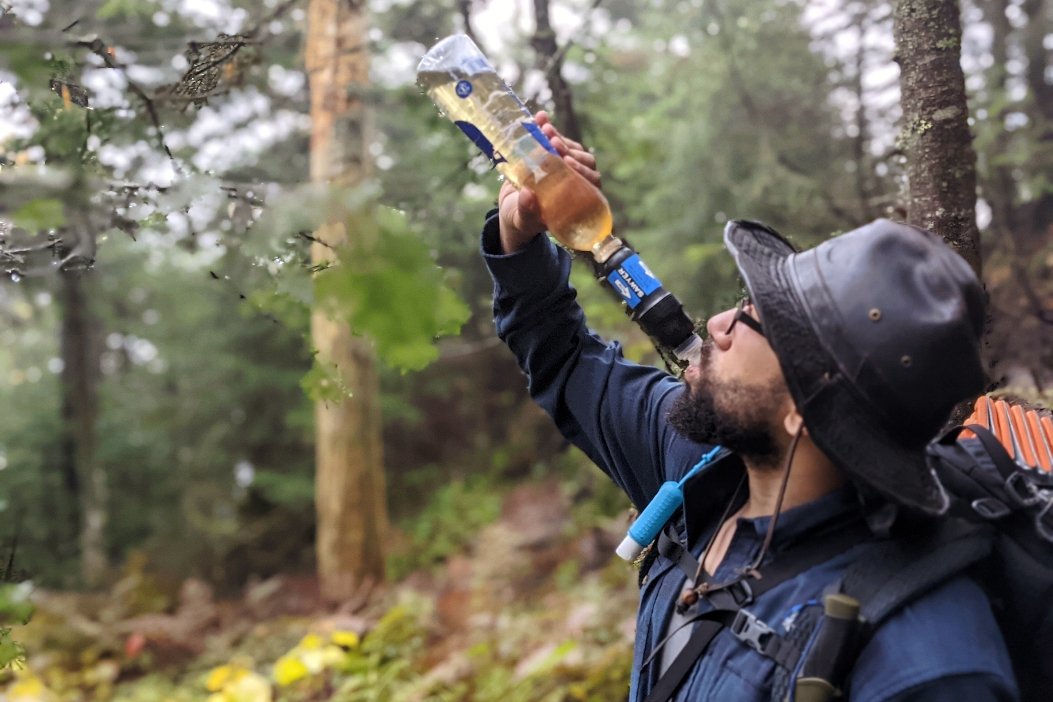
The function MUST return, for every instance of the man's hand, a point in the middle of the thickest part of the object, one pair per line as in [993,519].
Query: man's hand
[519,210]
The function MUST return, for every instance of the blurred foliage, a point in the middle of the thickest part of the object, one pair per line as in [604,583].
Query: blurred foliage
[447,524]
[15,609]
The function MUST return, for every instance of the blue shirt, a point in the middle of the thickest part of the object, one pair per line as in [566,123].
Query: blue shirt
[945,645]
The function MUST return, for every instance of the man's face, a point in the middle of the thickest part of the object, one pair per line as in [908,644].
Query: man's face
[736,395]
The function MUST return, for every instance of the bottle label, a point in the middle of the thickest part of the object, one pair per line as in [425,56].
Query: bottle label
[477,64]
[536,132]
[463,88]
[633,281]
[477,137]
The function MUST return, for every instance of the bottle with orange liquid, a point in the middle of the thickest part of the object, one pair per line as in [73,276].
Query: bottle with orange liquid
[467,90]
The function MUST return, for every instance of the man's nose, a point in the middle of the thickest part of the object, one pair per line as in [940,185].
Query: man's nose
[717,326]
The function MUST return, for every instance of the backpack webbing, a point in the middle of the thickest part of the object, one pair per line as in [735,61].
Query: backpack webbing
[727,606]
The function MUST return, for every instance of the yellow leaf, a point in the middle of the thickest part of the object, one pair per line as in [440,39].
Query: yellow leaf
[331,655]
[311,642]
[29,689]
[346,639]
[248,687]
[289,669]
[218,677]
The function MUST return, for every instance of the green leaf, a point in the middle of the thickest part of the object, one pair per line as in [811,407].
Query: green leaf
[10,650]
[385,284]
[324,383]
[41,213]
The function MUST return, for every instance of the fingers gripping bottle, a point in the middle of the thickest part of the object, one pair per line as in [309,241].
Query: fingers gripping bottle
[466,88]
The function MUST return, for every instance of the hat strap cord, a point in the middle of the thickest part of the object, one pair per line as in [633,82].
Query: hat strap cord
[703,586]
[752,570]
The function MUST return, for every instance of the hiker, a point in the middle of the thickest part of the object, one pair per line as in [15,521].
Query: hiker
[824,385]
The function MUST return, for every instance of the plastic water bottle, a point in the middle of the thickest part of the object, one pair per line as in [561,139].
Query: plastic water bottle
[459,79]
[467,90]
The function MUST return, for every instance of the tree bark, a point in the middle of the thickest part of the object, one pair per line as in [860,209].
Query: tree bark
[80,349]
[350,493]
[1001,190]
[550,61]
[941,163]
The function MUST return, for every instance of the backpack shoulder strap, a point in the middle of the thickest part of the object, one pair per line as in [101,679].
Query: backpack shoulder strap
[728,604]
[885,577]
[896,571]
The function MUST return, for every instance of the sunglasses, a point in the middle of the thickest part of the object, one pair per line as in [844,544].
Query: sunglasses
[742,316]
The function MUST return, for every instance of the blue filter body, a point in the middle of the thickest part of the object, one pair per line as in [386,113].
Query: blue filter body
[646,527]
[670,496]
[651,520]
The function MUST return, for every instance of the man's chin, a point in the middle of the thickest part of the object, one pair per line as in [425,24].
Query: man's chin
[689,419]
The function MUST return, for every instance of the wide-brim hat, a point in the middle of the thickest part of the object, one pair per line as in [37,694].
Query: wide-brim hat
[877,332]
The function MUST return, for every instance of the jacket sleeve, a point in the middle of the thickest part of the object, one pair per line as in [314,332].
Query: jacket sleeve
[612,409]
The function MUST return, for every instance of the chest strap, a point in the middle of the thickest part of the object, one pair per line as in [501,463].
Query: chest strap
[728,603]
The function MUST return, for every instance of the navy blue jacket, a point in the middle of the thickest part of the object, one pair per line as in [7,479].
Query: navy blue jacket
[945,646]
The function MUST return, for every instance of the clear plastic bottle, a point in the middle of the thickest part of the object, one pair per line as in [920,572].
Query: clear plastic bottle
[466,88]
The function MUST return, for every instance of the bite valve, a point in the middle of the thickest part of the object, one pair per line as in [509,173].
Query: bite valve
[658,511]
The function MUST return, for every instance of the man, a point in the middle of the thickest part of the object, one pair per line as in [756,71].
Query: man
[826,384]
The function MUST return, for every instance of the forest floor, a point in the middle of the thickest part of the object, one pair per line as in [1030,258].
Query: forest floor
[535,609]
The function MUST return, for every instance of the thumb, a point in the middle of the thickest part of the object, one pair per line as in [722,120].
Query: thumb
[528,202]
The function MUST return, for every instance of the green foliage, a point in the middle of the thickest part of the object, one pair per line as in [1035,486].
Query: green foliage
[39,214]
[382,278]
[15,608]
[115,9]
[386,285]
[11,652]
[447,524]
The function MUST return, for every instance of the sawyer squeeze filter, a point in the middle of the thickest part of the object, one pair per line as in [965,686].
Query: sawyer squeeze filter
[650,305]
[650,522]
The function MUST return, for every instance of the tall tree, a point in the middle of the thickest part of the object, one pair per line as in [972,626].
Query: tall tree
[83,474]
[941,163]
[550,61]
[349,487]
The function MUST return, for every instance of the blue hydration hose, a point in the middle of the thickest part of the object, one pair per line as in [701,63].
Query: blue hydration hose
[670,496]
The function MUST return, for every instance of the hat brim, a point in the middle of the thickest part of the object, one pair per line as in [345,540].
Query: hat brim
[837,417]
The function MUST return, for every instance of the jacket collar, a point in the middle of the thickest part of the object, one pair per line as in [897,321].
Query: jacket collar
[706,496]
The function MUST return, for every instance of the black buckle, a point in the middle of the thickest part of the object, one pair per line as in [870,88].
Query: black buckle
[1044,521]
[1020,487]
[751,631]
[742,592]
[991,508]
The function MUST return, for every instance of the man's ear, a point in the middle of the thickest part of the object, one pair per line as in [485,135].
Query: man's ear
[792,421]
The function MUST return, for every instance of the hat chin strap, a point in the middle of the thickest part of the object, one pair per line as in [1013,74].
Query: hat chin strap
[787,465]
[702,584]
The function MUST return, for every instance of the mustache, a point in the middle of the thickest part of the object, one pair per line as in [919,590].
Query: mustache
[702,358]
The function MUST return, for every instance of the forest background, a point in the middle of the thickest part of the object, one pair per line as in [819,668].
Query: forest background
[167,504]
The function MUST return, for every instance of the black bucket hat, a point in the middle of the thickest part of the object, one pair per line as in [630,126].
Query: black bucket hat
[878,335]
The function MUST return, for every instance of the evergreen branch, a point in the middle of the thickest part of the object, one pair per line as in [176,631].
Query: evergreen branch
[97,47]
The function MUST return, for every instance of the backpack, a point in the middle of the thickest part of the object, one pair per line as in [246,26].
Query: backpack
[999,530]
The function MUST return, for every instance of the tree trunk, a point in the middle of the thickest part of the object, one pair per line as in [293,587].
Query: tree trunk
[80,408]
[861,141]
[350,496]
[1001,189]
[941,163]
[1036,224]
[550,61]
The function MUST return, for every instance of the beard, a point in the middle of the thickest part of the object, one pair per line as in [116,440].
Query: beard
[734,414]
